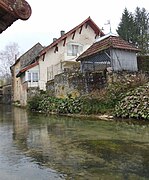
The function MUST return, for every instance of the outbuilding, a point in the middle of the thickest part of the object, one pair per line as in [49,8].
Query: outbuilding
[109,52]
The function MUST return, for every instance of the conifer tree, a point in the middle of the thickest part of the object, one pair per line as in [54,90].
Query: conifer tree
[127,27]
[134,28]
[142,30]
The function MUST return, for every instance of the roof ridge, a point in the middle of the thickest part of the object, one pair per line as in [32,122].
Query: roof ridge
[27,52]
[70,32]
[106,36]
[116,42]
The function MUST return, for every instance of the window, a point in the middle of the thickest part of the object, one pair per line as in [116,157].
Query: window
[29,77]
[32,77]
[74,49]
[35,77]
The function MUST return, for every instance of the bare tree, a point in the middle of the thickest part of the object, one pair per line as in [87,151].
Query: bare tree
[7,59]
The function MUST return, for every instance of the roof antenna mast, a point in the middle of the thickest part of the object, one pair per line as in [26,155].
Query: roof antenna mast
[109,23]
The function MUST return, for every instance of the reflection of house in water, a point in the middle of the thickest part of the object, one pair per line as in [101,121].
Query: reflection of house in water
[11,11]
[20,126]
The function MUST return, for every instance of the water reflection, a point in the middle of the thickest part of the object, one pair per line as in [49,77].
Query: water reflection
[84,149]
[15,161]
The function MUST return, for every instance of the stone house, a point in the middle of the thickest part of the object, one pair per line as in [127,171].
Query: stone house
[109,52]
[24,75]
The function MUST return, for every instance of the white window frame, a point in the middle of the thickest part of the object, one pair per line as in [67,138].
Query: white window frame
[32,76]
[74,49]
[35,77]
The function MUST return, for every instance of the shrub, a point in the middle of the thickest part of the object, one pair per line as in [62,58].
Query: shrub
[135,104]
[69,105]
[34,103]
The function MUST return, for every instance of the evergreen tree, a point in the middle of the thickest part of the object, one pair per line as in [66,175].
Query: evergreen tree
[127,27]
[142,30]
[134,28]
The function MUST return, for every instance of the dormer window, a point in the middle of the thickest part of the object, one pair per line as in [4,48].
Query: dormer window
[74,49]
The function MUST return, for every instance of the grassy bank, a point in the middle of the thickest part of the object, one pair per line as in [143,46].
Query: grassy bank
[121,99]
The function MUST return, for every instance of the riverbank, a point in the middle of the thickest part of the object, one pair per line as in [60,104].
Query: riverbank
[104,117]
[116,100]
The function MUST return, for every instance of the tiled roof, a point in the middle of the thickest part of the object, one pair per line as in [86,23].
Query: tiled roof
[29,55]
[107,42]
[12,10]
[28,59]
[88,21]
[26,68]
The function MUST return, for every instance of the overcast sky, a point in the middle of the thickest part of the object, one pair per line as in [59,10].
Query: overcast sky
[50,17]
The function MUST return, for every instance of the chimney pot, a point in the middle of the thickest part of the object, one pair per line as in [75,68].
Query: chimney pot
[62,33]
[54,39]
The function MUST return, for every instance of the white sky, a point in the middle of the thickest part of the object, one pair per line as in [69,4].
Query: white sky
[50,17]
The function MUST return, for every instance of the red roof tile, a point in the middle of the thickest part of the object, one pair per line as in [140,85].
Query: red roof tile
[89,21]
[27,67]
[110,41]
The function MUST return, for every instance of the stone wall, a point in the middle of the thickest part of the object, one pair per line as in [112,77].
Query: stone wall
[1,95]
[76,83]
[6,97]
[32,91]
[131,78]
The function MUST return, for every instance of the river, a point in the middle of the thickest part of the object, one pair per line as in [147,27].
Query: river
[39,147]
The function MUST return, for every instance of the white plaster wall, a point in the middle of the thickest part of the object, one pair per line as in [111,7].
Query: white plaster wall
[53,60]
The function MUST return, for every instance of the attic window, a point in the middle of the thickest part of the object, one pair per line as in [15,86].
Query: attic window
[74,49]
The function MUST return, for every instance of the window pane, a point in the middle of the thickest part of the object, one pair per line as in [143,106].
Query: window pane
[29,77]
[75,50]
[35,77]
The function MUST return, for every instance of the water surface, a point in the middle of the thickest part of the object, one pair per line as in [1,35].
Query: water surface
[39,147]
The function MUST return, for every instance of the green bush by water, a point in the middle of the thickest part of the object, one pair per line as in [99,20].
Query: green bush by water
[135,104]
[119,99]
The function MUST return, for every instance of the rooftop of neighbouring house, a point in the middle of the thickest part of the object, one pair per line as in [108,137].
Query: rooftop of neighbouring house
[108,41]
[12,10]
[88,21]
